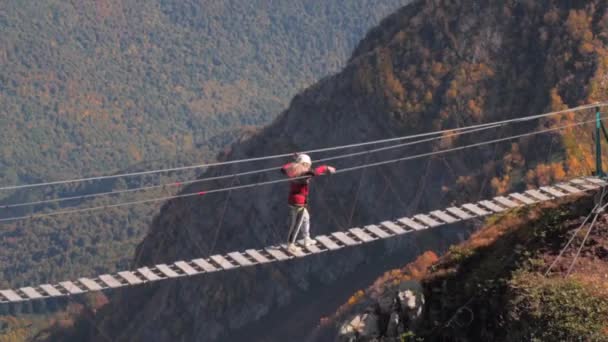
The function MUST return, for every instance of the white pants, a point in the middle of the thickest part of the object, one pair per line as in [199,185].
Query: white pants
[299,219]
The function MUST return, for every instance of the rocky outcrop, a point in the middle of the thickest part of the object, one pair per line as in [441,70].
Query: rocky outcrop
[392,315]
[392,307]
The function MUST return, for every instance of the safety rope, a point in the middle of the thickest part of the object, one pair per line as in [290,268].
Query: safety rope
[263,183]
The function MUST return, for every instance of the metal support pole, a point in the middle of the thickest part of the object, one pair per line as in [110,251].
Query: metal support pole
[598,144]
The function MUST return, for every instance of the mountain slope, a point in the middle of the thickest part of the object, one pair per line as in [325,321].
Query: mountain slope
[432,64]
[493,288]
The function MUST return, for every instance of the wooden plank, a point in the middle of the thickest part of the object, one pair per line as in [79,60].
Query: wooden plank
[148,274]
[459,213]
[595,180]
[583,181]
[475,209]
[90,284]
[361,235]
[11,295]
[239,258]
[506,202]
[427,220]
[345,239]
[31,292]
[257,256]
[584,184]
[522,198]
[327,242]
[406,221]
[552,191]
[536,194]
[277,254]
[185,267]
[225,264]
[492,206]
[589,186]
[393,227]
[377,231]
[313,249]
[130,277]
[110,281]
[568,188]
[442,215]
[167,271]
[51,290]
[71,287]
[205,265]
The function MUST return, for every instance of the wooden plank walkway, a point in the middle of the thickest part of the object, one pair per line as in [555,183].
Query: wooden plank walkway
[110,281]
[506,202]
[335,241]
[459,213]
[443,216]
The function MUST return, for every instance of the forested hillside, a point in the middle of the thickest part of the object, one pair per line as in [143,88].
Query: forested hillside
[90,87]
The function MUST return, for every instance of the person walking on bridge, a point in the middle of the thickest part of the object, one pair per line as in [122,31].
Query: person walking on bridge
[299,219]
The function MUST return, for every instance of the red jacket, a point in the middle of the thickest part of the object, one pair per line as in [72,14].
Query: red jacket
[298,188]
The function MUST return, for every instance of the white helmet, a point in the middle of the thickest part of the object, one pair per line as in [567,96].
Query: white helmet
[303,159]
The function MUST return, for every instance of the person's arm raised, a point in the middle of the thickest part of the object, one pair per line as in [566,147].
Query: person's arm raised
[324,170]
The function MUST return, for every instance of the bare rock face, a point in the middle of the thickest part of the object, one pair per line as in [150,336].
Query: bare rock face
[389,317]
[361,327]
[434,64]
[411,308]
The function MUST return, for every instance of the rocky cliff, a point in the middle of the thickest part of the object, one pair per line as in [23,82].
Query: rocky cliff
[433,64]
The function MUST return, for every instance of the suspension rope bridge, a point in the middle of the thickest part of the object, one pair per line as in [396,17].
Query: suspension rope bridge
[336,240]
[279,253]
